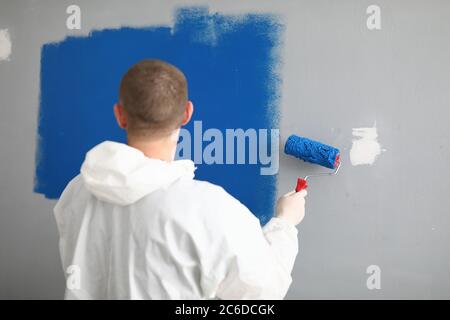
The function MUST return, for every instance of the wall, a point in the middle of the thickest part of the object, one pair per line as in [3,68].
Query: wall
[336,76]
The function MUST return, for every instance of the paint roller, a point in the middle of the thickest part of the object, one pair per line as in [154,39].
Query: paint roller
[314,152]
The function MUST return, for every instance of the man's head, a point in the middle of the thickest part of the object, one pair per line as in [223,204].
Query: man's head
[153,100]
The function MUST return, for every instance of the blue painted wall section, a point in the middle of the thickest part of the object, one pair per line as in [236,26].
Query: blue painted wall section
[230,63]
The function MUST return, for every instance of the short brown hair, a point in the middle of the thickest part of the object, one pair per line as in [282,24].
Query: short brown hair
[154,95]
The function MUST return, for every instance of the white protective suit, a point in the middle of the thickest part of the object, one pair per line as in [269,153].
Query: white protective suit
[141,228]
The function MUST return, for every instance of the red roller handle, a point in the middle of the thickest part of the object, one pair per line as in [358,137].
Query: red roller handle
[301,184]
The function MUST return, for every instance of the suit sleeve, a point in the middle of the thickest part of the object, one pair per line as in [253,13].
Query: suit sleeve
[259,261]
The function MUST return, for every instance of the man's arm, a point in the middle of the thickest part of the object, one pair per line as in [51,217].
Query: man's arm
[261,259]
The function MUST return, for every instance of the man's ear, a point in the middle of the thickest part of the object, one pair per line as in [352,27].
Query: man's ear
[120,114]
[188,113]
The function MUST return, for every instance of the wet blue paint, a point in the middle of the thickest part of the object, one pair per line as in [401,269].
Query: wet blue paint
[232,82]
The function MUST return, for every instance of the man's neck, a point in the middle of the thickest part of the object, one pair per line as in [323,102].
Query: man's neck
[162,149]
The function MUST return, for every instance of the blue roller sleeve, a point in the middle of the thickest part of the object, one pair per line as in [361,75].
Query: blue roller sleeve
[311,151]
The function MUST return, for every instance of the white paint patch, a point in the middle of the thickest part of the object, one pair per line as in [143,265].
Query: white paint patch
[365,147]
[5,44]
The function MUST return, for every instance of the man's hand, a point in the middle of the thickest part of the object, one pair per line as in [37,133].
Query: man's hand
[291,206]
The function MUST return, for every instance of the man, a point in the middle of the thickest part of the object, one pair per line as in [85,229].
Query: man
[136,225]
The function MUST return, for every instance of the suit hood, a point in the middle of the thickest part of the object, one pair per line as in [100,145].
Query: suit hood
[117,173]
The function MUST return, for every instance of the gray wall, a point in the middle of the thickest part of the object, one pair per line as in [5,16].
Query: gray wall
[337,75]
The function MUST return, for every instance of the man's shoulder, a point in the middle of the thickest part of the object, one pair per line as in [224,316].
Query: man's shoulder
[203,194]
[190,195]
[200,188]
[74,187]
